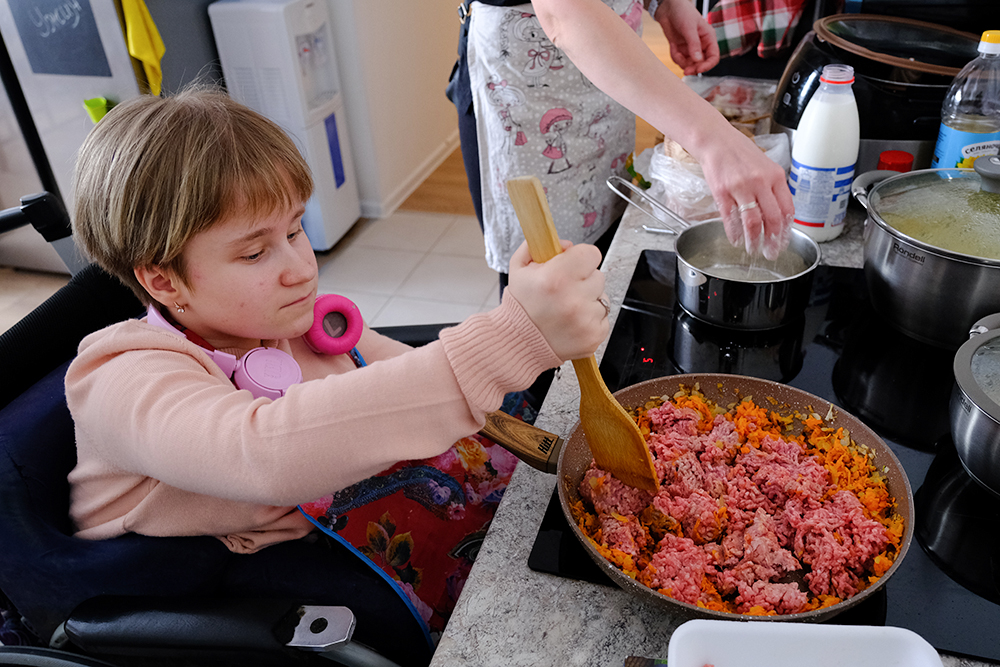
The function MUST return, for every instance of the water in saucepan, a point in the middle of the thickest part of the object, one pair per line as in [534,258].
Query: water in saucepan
[749,274]
[743,267]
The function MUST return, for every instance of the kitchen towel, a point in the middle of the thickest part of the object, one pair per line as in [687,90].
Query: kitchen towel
[144,42]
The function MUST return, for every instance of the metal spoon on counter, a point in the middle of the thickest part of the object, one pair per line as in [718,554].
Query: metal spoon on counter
[616,182]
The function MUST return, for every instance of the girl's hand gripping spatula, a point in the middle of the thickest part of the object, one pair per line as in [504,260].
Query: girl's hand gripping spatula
[615,441]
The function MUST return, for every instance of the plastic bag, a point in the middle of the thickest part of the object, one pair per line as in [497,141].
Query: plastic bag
[746,103]
[679,183]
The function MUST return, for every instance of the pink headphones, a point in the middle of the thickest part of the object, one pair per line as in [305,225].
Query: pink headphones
[269,372]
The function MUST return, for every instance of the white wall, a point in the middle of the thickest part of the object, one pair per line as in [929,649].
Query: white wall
[395,57]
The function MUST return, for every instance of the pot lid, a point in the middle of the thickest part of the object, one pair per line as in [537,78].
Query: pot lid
[952,210]
[905,43]
[977,365]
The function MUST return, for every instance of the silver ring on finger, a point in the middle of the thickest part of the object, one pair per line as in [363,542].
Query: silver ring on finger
[748,206]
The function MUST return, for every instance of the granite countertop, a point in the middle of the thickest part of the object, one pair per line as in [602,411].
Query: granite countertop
[509,615]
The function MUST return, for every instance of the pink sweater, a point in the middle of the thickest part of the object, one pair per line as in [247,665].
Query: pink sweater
[167,445]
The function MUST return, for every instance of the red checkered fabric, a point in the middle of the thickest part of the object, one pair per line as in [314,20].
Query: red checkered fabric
[740,25]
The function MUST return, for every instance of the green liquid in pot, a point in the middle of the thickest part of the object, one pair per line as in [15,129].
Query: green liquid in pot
[959,217]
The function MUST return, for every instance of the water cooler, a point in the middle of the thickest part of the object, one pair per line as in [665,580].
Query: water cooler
[278,59]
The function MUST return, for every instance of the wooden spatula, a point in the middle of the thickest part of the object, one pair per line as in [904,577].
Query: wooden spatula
[614,439]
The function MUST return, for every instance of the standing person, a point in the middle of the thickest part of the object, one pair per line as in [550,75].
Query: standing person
[582,73]
[195,202]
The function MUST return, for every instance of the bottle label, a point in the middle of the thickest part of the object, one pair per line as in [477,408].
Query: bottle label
[956,148]
[820,194]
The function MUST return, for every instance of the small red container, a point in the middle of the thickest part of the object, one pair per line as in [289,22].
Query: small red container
[895,161]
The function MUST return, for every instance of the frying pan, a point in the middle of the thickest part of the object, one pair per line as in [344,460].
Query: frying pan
[574,458]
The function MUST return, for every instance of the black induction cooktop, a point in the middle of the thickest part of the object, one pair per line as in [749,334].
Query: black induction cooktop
[947,588]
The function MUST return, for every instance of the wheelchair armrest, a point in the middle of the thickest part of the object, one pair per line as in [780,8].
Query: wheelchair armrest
[125,625]
[413,335]
[47,214]
[43,211]
[12,218]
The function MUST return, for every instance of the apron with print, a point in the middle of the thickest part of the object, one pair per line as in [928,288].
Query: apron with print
[537,114]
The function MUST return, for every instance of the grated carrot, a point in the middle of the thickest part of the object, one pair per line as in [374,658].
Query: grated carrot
[849,465]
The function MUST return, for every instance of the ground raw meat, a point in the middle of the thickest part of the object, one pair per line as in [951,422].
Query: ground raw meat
[676,569]
[740,525]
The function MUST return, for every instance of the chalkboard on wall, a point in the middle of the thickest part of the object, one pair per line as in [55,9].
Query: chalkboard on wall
[60,37]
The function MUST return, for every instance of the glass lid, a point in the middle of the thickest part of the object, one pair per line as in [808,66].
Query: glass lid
[985,368]
[945,209]
[977,365]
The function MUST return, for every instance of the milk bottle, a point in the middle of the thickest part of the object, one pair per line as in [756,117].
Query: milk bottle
[824,153]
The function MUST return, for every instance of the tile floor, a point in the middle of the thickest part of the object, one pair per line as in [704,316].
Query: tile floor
[412,268]
[21,291]
[409,268]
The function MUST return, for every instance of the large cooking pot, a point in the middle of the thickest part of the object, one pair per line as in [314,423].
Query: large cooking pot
[933,287]
[574,458]
[975,403]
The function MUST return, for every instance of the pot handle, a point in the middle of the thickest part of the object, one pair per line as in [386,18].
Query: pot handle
[984,324]
[539,449]
[863,183]
[615,181]
[988,168]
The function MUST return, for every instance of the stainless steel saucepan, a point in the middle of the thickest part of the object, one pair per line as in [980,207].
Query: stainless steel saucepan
[975,403]
[721,284]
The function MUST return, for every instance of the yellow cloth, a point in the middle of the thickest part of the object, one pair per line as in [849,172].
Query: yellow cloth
[144,42]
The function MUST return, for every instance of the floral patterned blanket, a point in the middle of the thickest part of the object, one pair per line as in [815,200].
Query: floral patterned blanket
[420,523]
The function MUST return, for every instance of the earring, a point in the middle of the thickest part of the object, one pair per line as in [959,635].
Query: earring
[180,309]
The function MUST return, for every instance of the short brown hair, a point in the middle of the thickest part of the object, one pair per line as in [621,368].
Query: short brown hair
[157,170]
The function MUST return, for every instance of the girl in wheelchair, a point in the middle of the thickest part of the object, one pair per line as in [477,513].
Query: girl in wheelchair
[196,202]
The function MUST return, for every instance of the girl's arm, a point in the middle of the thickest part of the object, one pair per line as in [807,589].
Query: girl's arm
[151,404]
[618,62]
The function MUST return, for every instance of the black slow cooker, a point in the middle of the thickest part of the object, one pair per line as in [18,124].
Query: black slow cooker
[903,69]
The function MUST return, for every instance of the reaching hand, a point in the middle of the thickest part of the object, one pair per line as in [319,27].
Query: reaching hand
[751,193]
[562,297]
[693,45]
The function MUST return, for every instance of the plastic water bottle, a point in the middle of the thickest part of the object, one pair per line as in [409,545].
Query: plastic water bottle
[970,115]
[824,154]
